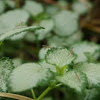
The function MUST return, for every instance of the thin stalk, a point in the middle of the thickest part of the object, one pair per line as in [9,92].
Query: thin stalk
[37,43]
[58,85]
[1,43]
[44,93]
[33,94]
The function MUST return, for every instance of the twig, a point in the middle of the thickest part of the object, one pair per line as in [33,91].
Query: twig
[92,27]
[95,21]
[14,96]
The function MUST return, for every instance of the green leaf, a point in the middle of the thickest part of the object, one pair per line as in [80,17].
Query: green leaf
[59,57]
[52,9]
[17,61]
[62,4]
[92,72]
[42,53]
[57,41]
[66,23]
[10,3]
[74,80]
[80,7]
[44,64]
[29,75]
[33,7]
[8,22]
[2,6]
[75,37]
[6,67]
[85,50]
[9,34]
[48,25]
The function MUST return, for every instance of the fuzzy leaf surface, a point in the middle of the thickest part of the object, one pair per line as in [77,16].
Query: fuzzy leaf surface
[92,72]
[66,23]
[59,57]
[33,7]
[6,67]
[11,33]
[27,76]
[74,79]
[85,51]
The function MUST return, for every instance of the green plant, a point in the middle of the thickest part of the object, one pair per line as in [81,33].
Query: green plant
[44,48]
[57,69]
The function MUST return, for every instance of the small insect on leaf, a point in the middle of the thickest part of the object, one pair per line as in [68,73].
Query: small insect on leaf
[45,46]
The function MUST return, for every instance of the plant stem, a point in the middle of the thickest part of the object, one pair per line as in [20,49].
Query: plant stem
[33,94]
[58,85]
[52,86]
[37,44]
[44,93]
[1,45]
